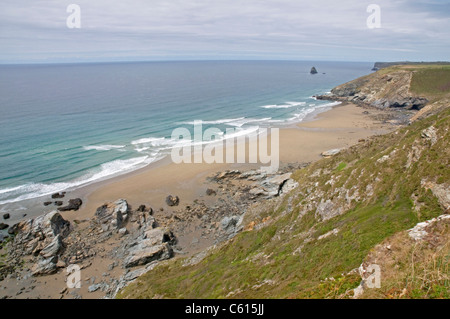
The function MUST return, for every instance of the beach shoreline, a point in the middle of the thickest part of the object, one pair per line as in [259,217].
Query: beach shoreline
[196,219]
[337,126]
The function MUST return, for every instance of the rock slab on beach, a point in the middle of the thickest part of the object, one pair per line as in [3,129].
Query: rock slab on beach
[74,204]
[172,200]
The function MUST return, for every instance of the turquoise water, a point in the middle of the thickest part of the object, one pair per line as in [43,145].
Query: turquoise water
[65,126]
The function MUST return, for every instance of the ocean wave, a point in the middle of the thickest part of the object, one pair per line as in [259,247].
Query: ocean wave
[245,121]
[221,121]
[300,116]
[149,140]
[330,104]
[103,147]
[106,170]
[283,106]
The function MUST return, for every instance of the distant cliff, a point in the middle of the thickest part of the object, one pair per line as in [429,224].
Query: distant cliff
[383,202]
[382,65]
[387,88]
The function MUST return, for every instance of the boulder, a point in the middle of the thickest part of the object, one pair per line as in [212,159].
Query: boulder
[142,254]
[112,215]
[59,195]
[141,208]
[47,203]
[94,287]
[159,235]
[58,203]
[74,204]
[53,248]
[44,233]
[313,70]
[430,135]
[44,266]
[6,216]
[172,200]
[3,226]
[3,237]
[210,192]
[154,245]
[274,185]
[330,153]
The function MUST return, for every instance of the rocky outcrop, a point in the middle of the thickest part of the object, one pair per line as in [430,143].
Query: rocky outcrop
[313,70]
[111,216]
[154,244]
[58,195]
[332,152]
[172,200]
[42,238]
[74,204]
[390,90]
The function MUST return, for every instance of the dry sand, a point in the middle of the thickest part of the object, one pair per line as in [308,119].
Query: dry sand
[339,127]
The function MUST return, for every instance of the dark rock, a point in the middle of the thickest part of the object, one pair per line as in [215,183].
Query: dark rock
[210,192]
[172,200]
[74,204]
[58,203]
[3,226]
[142,254]
[47,203]
[13,229]
[58,195]
[112,215]
[6,216]
[141,209]
[3,237]
[226,174]
[313,70]
[44,266]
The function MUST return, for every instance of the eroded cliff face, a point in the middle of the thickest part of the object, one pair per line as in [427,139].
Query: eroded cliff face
[381,90]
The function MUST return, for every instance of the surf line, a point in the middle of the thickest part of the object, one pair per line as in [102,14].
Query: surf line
[209,146]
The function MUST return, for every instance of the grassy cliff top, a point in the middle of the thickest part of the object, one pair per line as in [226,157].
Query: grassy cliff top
[353,208]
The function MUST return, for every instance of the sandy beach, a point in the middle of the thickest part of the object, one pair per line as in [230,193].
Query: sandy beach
[340,127]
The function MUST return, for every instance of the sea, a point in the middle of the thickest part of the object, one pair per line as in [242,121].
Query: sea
[64,126]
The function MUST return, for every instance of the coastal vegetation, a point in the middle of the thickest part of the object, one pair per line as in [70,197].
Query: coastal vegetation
[355,208]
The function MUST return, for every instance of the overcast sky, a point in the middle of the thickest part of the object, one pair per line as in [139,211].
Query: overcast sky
[36,30]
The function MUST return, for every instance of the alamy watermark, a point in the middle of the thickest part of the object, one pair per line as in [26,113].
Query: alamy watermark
[73,21]
[374,20]
[215,146]
[74,277]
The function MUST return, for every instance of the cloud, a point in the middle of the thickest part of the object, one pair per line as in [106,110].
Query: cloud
[270,29]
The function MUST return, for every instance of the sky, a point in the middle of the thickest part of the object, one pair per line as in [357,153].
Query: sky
[36,31]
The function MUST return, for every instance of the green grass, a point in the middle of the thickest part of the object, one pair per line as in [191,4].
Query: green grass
[431,81]
[277,261]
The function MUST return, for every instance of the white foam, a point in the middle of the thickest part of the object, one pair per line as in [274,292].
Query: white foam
[221,121]
[103,147]
[244,121]
[330,104]
[296,103]
[283,106]
[148,140]
[107,170]
[242,132]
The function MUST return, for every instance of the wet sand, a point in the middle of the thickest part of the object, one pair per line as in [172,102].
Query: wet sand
[339,127]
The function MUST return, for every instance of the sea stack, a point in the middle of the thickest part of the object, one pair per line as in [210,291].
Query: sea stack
[313,70]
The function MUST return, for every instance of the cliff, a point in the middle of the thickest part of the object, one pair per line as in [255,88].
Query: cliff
[405,86]
[379,202]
